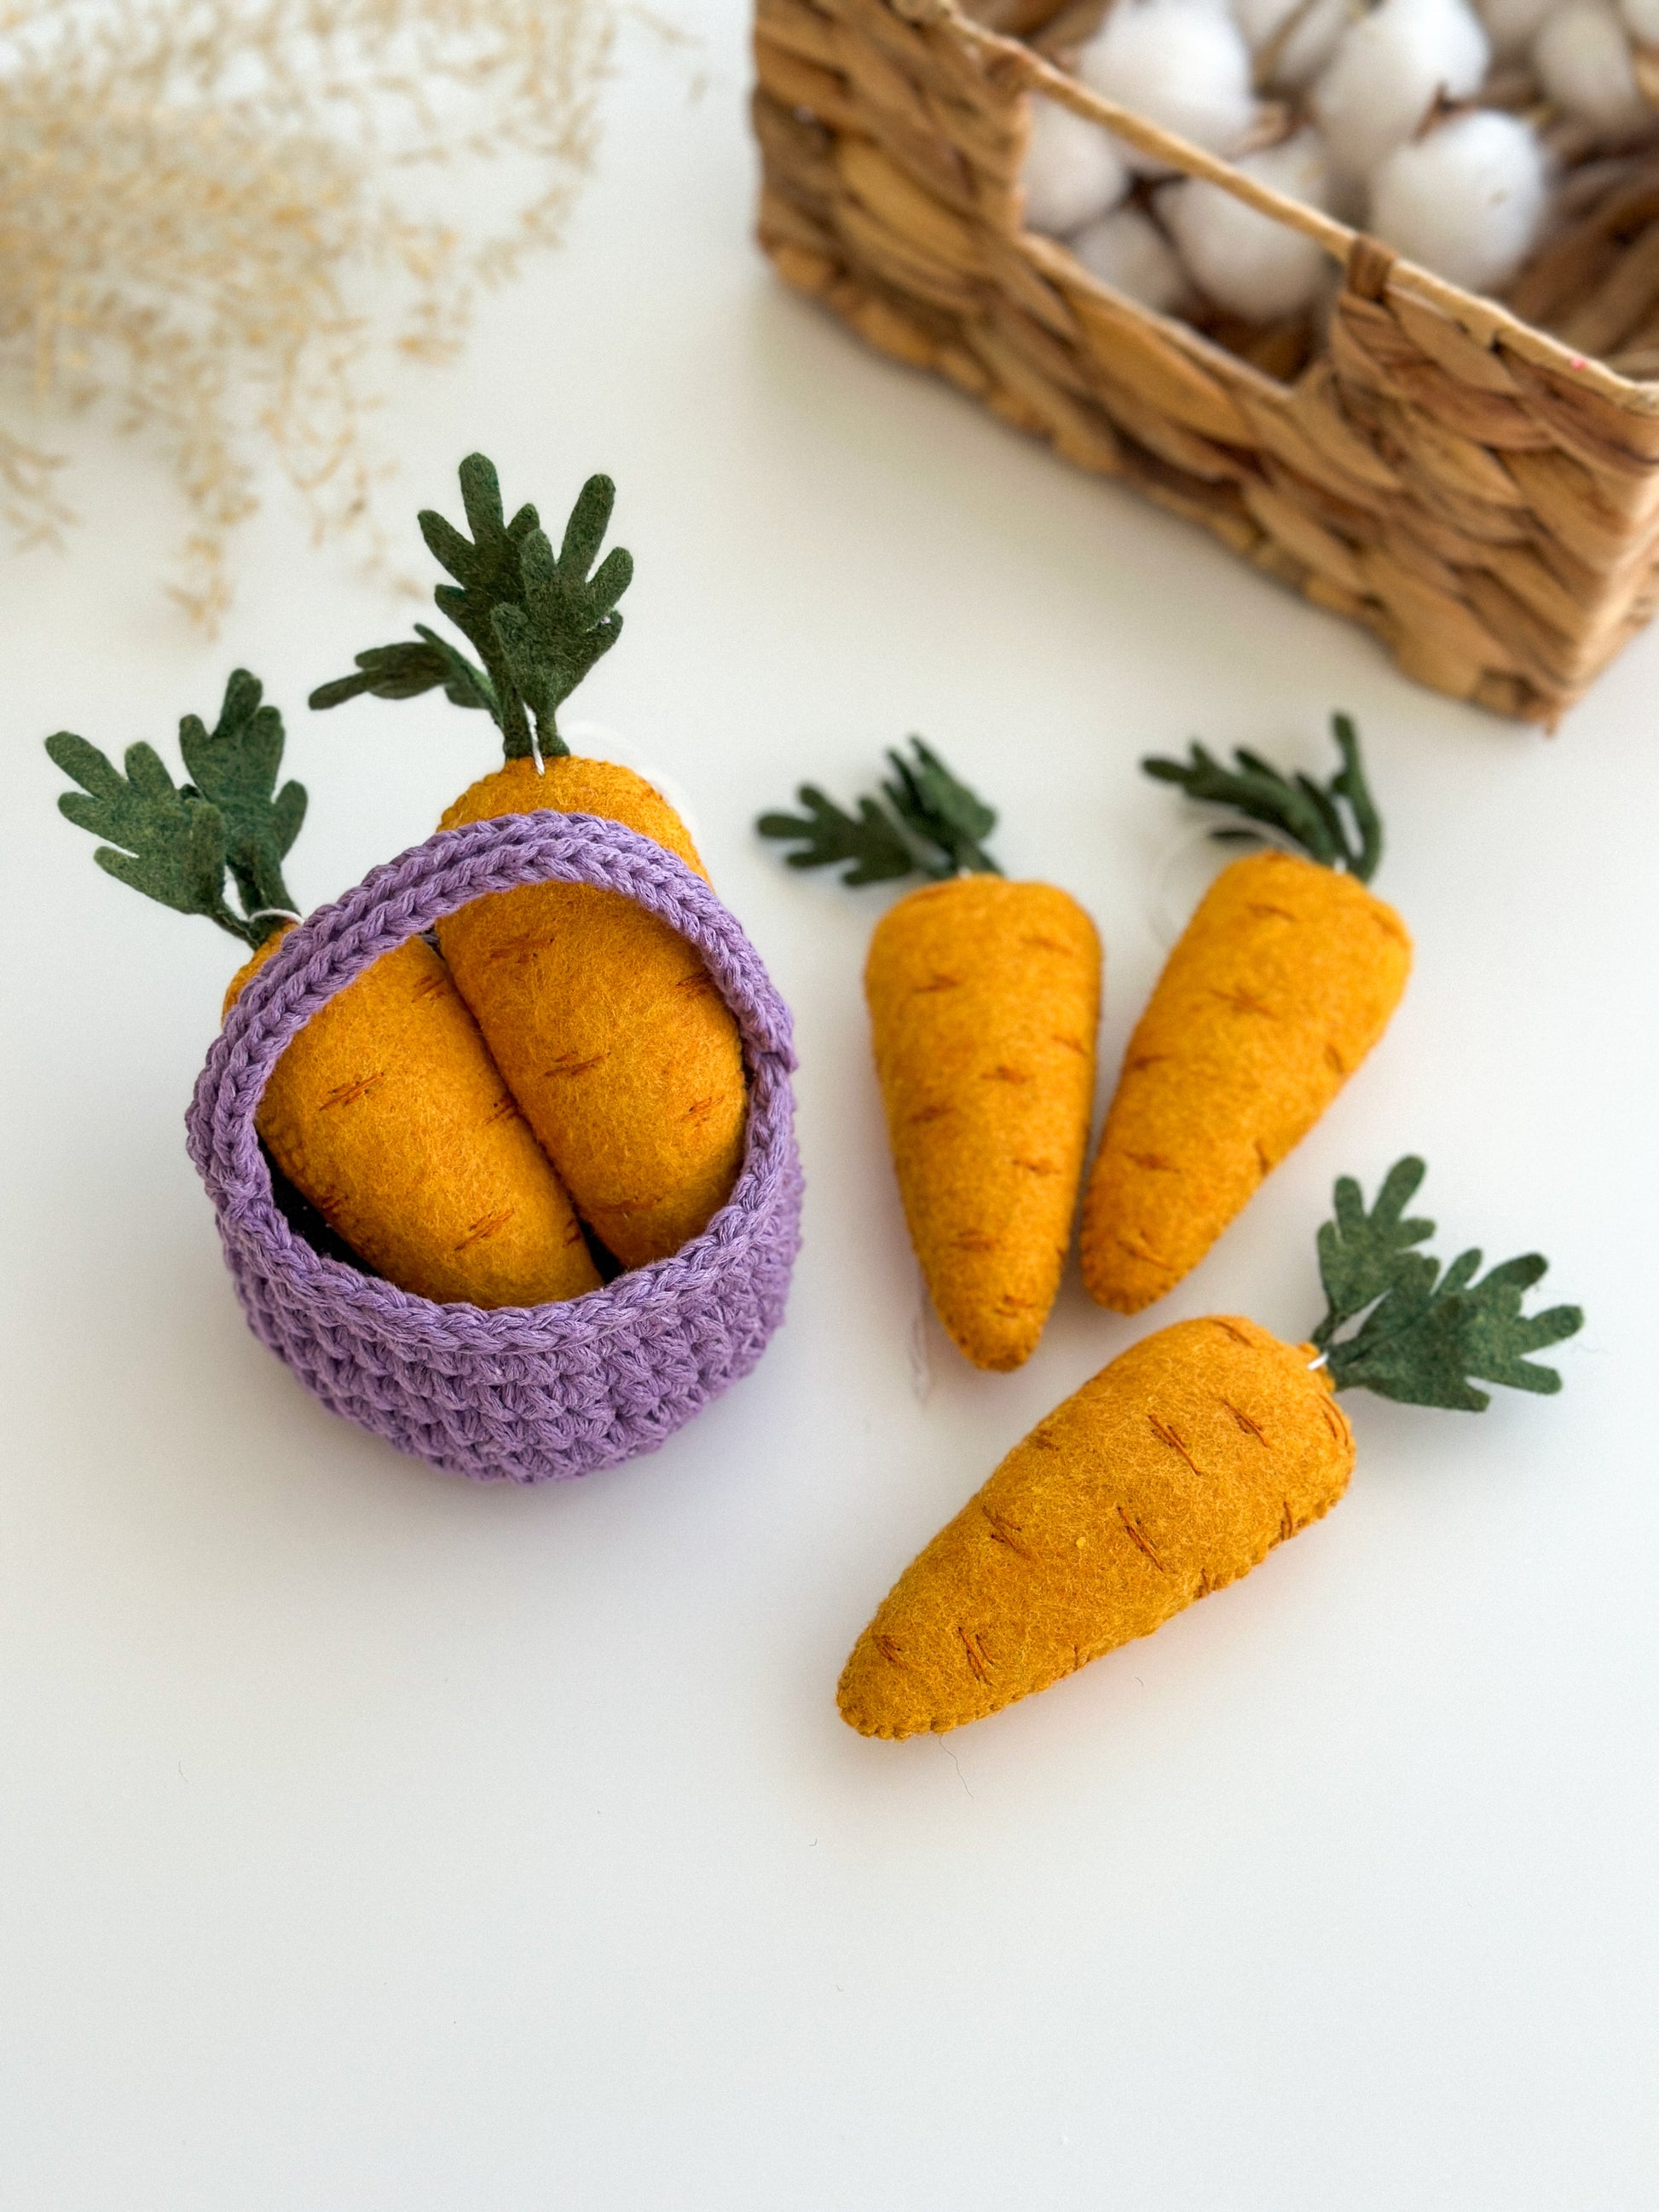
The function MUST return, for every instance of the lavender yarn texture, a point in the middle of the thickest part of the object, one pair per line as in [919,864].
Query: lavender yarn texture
[521,1393]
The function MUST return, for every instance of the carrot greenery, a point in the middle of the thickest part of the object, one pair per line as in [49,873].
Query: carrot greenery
[176,842]
[537,620]
[1427,1336]
[930,825]
[1336,824]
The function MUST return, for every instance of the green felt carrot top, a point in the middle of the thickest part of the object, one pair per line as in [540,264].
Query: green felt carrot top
[1426,1337]
[537,620]
[178,842]
[926,822]
[1336,824]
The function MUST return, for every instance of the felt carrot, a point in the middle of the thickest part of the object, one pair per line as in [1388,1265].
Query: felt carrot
[385,1112]
[984,999]
[620,1051]
[1180,1466]
[1283,981]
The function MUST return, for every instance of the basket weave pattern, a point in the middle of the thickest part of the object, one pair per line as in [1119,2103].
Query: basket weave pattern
[521,1393]
[1482,497]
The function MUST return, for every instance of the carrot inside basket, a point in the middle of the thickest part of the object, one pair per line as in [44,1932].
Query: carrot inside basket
[387,1113]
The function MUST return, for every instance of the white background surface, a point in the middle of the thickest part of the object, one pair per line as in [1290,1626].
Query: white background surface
[372,1842]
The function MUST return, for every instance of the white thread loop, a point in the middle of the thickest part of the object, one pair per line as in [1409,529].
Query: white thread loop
[1159,914]
[599,741]
[921,1361]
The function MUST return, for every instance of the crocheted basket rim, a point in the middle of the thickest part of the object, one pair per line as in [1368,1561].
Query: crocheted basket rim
[402,898]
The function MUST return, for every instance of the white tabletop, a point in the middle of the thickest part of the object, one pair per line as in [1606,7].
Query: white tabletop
[372,1841]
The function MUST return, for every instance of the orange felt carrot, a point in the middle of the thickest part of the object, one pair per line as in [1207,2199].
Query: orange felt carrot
[1282,982]
[622,1055]
[1179,1468]
[984,999]
[385,1112]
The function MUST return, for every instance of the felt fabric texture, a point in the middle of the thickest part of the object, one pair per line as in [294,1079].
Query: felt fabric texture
[606,1024]
[984,1001]
[1281,983]
[523,1394]
[1173,1473]
[388,1112]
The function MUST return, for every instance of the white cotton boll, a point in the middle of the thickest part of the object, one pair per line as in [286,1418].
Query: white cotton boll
[1311,46]
[1127,251]
[1512,25]
[1582,59]
[1073,170]
[1180,64]
[1388,73]
[1301,46]
[1641,21]
[1467,201]
[1245,261]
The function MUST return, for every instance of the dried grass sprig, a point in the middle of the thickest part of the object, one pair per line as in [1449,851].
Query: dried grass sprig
[214,214]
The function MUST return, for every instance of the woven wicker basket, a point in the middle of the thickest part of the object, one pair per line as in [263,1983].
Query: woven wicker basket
[1482,495]
[520,1394]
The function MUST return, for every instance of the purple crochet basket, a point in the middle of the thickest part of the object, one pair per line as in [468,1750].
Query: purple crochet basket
[521,1393]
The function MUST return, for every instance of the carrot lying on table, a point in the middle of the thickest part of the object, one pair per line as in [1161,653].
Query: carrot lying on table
[1180,1466]
[613,1039]
[385,1112]
[984,999]
[1283,981]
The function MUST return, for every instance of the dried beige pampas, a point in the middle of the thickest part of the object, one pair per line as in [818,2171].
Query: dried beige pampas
[213,211]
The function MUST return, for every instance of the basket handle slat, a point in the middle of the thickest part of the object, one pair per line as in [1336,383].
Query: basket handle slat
[1369,266]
